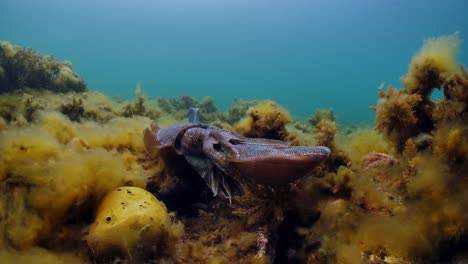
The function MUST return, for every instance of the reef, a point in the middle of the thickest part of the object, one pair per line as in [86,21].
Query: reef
[264,120]
[23,68]
[409,112]
[322,114]
[178,107]
[78,185]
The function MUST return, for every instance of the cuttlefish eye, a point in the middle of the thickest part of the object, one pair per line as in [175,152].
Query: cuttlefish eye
[218,147]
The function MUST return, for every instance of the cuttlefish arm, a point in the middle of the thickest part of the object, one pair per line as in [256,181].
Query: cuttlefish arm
[216,180]
[207,170]
[264,161]
[153,146]
[275,166]
[217,148]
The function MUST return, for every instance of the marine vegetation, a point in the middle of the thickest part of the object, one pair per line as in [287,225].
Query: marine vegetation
[178,107]
[267,119]
[81,184]
[322,114]
[22,68]
[409,112]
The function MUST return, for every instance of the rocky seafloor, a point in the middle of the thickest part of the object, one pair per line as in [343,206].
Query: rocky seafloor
[77,185]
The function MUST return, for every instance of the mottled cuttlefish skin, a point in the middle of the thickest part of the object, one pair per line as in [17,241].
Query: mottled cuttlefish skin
[224,159]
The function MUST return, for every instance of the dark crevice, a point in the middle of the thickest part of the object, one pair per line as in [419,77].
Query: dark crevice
[189,192]
[289,241]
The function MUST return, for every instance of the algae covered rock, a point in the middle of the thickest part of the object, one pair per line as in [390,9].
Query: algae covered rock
[22,68]
[266,120]
[322,114]
[129,220]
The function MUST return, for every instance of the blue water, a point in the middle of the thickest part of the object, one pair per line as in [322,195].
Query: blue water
[304,54]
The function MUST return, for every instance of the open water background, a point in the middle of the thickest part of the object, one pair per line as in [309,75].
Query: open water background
[304,54]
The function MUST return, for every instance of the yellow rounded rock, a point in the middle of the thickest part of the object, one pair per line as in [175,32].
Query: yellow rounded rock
[129,221]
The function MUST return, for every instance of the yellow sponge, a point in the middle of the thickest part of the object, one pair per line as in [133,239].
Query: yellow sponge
[129,220]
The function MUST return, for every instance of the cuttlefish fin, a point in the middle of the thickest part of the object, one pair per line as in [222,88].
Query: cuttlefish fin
[192,115]
[150,140]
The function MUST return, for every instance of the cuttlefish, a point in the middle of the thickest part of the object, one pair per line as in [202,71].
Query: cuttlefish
[225,159]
